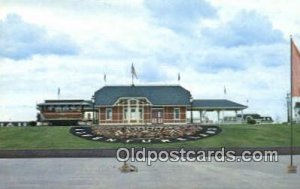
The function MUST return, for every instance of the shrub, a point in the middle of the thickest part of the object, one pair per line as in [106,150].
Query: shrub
[32,123]
[251,121]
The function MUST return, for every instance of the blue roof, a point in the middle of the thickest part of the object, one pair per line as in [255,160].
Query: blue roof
[216,104]
[157,95]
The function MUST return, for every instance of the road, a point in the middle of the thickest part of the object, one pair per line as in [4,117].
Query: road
[66,173]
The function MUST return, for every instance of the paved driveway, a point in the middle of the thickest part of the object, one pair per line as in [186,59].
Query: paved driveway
[103,173]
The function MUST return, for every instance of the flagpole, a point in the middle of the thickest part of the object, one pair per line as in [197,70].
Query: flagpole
[58,93]
[132,79]
[291,167]
[133,74]
[291,104]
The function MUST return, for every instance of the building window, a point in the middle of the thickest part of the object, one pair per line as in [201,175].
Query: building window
[176,113]
[125,114]
[50,108]
[108,113]
[133,101]
[65,108]
[141,113]
[58,108]
[133,114]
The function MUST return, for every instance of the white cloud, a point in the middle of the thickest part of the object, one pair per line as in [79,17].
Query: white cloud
[246,28]
[113,34]
[179,15]
[284,15]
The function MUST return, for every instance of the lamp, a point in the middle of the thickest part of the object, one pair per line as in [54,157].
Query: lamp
[93,102]
[191,103]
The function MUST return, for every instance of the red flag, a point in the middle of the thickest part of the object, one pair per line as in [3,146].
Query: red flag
[295,63]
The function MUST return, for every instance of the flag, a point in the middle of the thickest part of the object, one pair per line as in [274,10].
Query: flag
[295,69]
[178,77]
[104,77]
[133,72]
[58,91]
[225,92]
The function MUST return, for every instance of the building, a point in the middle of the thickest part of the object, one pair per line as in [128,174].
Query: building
[295,111]
[163,104]
[17,123]
[65,112]
[219,106]
[140,105]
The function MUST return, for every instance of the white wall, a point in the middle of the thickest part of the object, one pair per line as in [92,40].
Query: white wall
[86,115]
[296,115]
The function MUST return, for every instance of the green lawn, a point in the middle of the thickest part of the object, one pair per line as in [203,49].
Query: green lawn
[231,136]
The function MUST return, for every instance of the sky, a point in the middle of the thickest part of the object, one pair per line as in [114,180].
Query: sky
[240,45]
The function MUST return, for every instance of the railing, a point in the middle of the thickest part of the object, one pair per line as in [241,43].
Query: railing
[62,116]
[61,111]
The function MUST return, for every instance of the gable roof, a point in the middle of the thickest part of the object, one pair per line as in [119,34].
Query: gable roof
[217,104]
[157,95]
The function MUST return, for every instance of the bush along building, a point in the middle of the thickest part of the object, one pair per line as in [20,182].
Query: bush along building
[135,105]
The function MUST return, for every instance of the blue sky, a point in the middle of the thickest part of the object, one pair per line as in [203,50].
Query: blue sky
[21,40]
[71,44]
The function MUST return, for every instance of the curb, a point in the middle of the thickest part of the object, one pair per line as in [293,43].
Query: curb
[110,153]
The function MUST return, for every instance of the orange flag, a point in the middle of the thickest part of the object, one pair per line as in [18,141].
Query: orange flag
[295,63]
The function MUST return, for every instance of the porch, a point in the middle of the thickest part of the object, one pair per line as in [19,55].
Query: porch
[216,111]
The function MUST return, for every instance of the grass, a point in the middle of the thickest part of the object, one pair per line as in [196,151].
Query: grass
[231,136]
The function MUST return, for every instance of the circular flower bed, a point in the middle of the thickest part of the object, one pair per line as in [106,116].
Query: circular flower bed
[145,134]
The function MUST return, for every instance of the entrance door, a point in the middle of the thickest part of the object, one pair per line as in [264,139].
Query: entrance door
[157,116]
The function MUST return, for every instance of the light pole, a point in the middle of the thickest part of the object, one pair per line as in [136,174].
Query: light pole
[288,107]
[93,103]
[191,103]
